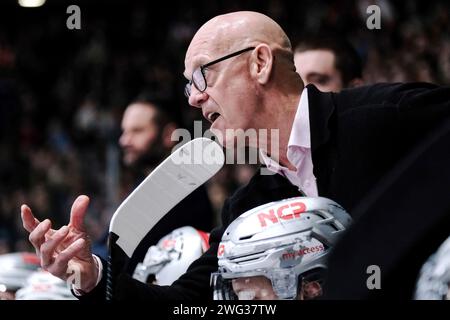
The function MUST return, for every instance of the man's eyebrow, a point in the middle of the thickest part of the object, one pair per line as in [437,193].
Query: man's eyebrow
[185,74]
[196,62]
[315,75]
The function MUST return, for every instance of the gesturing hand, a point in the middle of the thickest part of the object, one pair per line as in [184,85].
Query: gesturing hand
[68,248]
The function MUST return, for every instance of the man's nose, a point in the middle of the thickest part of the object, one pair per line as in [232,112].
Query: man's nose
[124,140]
[197,98]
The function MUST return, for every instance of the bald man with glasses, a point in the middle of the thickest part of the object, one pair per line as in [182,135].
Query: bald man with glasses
[241,75]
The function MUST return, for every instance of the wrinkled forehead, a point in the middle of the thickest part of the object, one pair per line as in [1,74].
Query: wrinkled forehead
[198,53]
[208,44]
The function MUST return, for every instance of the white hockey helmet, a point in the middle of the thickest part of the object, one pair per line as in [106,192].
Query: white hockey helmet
[434,278]
[15,268]
[282,241]
[42,285]
[170,258]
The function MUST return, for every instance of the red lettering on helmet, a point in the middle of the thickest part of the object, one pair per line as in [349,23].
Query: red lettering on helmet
[288,255]
[302,252]
[205,239]
[263,216]
[169,243]
[299,207]
[283,213]
[221,250]
[283,216]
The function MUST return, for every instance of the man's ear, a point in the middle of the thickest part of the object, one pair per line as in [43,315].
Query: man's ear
[167,134]
[261,63]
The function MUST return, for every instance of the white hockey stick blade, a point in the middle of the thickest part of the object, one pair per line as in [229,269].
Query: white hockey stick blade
[181,173]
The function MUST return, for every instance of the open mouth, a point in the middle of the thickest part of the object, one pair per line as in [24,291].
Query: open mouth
[213,116]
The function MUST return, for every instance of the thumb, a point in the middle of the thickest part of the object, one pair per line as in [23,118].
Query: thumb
[78,212]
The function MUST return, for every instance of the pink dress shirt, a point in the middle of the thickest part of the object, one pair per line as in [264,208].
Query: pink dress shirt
[299,152]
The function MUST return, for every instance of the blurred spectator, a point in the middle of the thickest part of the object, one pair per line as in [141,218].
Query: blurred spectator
[146,140]
[328,62]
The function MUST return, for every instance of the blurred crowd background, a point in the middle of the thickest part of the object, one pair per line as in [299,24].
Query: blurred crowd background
[62,92]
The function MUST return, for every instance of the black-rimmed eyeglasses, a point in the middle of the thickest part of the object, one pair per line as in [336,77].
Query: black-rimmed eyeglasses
[198,76]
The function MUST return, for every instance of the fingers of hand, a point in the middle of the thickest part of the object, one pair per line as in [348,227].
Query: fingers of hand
[37,236]
[48,247]
[28,220]
[61,261]
[78,211]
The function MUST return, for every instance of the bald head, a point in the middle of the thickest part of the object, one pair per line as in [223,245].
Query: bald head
[237,30]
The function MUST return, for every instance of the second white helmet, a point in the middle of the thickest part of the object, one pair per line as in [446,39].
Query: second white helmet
[171,257]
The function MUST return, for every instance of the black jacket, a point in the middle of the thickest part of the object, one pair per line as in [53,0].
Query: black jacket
[397,226]
[357,136]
